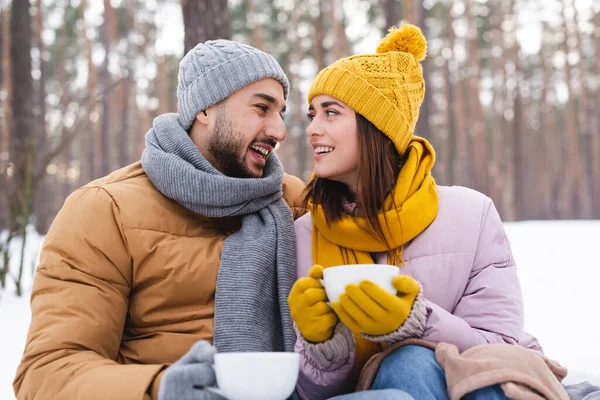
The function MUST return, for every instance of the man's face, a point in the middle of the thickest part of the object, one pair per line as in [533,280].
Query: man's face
[244,129]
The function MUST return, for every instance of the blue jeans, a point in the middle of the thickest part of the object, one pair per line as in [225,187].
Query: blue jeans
[382,394]
[415,374]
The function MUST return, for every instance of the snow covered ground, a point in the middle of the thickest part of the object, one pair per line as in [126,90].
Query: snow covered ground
[559,270]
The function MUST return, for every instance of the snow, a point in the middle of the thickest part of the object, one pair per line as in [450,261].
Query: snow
[559,271]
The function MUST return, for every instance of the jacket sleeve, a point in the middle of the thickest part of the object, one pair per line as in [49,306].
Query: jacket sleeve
[79,305]
[491,307]
[327,369]
[293,193]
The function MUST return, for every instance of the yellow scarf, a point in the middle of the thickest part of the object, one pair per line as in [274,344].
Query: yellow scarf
[350,240]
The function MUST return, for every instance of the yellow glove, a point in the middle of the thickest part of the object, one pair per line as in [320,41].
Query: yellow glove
[369,309]
[309,309]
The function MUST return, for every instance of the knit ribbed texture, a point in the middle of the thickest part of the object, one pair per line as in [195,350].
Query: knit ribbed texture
[257,268]
[413,326]
[386,88]
[214,70]
[331,354]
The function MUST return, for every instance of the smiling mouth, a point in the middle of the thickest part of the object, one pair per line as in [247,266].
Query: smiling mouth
[323,150]
[262,152]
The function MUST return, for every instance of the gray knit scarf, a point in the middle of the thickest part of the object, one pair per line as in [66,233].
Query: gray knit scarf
[257,268]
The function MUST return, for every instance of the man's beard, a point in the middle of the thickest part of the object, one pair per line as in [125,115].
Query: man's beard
[227,150]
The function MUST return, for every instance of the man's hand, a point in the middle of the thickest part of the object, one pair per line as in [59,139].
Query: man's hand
[188,378]
[309,309]
[369,309]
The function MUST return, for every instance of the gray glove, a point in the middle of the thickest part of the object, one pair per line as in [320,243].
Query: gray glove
[188,378]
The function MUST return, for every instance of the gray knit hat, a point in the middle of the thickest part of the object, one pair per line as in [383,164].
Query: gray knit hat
[212,71]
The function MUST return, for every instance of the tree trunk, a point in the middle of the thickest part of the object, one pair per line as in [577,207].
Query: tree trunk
[423,128]
[392,13]
[142,113]
[205,20]
[507,151]
[583,113]
[41,88]
[547,156]
[105,79]
[575,195]
[496,115]
[299,103]
[123,138]
[42,208]
[595,133]
[6,127]
[23,100]
[408,11]
[477,138]
[341,47]
[519,170]
[459,143]
[1,55]
[257,36]
[450,157]
[517,147]
[319,37]
[64,159]
[22,151]
[89,169]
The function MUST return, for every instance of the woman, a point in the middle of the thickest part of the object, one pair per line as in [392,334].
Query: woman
[372,199]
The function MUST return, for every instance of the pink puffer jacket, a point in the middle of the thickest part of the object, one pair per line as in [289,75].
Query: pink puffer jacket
[470,290]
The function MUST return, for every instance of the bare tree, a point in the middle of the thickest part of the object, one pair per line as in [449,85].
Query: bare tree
[299,110]
[319,36]
[105,79]
[548,156]
[595,134]
[476,127]
[5,129]
[22,151]
[517,151]
[392,14]
[449,150]
[89,170]
[459,144]
[126,88]
[590,139]
[204,20]
[496,112]
[574,199]
[423,128]
[258,40]
[40,102]
[408,11]
[1,55]
[22,103]
[341,47]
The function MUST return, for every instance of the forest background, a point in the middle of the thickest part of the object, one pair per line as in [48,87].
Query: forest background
[512,91]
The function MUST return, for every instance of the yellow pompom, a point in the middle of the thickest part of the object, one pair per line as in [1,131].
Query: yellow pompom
[408,38]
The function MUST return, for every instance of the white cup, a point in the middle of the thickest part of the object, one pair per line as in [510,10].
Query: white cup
[336,278]
[257,376]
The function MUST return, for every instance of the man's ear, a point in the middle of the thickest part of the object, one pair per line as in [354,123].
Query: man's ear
[202,117]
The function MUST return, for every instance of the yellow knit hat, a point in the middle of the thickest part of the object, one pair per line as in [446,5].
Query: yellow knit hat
[387,88]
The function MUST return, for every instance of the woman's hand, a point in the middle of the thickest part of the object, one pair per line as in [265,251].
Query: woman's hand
[309,309]
[371,310]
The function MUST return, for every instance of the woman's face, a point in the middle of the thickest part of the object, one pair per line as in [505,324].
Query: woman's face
[333,135]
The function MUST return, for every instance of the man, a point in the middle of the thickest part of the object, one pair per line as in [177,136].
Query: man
[143,268]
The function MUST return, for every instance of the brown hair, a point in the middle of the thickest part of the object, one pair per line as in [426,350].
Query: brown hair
[378,170]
